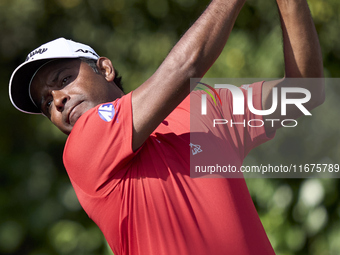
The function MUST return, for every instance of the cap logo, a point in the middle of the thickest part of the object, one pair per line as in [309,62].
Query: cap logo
[87,51]
[35,52]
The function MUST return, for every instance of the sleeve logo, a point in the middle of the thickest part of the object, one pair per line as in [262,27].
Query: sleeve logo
[106,112]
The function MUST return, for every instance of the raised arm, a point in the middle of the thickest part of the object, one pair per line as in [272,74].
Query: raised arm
[191,57]
[303,59]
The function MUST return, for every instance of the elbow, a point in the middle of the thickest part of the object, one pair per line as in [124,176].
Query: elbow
[193,66]
[183,63]
[191,62]
[310,69]
[316,83]
[315,70]
[317,73]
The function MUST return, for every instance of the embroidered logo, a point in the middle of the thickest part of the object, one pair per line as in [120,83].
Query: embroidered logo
[106,112]
[195,148]
[87,51]
[35,52]
[246,86]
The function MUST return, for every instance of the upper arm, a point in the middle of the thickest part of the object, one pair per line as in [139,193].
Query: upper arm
[191,57]
[156,98]
[294,98]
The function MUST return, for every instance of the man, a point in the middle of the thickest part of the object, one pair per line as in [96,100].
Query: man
[127,156]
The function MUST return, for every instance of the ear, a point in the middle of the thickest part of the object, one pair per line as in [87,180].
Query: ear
[106,69]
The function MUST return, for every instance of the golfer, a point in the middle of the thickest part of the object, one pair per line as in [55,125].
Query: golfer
[128,156]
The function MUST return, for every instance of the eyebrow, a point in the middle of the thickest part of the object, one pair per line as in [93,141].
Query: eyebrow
[56,76]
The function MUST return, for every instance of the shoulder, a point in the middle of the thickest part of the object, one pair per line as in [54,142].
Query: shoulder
[100,144]
[103,128]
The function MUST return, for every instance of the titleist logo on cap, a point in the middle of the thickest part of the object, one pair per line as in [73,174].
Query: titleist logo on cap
[35,52]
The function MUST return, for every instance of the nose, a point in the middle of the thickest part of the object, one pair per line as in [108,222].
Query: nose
[59,99]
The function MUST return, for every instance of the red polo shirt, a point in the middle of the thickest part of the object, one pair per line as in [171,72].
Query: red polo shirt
[145,202]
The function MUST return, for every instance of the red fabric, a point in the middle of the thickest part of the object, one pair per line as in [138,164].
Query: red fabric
[145,202]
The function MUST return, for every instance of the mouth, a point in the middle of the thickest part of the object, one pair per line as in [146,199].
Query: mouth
[73,114]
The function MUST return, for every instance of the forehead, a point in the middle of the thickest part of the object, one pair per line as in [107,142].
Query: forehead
[48,73]
[55,66]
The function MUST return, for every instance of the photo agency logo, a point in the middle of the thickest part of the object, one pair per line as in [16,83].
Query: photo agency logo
[238,103]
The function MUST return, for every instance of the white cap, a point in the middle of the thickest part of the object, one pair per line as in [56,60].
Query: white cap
[21,77]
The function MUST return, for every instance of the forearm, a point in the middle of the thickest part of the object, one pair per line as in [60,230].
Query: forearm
[203,42]
[302,51]
[303,59]
[195,52]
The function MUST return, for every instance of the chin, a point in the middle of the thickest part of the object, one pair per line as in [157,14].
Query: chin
[67,130]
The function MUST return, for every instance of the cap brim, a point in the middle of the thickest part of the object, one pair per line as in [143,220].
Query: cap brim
[19,84]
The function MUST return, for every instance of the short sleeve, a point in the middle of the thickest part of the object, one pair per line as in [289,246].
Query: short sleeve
[100,146]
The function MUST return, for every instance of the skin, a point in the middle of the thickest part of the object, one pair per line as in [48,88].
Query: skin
[66,89]
[191,57]
[303,59]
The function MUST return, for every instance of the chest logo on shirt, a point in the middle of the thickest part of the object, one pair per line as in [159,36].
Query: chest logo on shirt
[106,112]
[195,148]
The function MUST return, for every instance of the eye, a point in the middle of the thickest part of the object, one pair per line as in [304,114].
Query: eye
[65,80]
[48,105]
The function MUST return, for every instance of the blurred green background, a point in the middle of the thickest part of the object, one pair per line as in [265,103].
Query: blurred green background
[40,214]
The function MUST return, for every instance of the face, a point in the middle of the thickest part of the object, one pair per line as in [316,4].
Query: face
[65,89]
